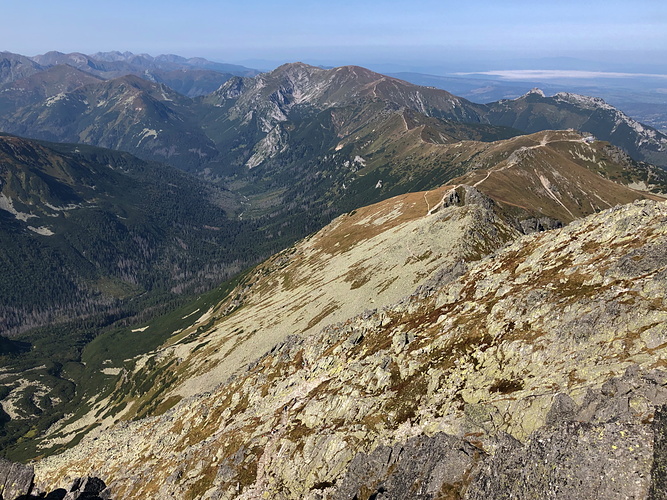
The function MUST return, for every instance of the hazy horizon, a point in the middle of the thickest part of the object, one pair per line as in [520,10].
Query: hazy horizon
[426,36]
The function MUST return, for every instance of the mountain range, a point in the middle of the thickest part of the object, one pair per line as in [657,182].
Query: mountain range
[638,94]
[286,96]
[467,300]
[193,76]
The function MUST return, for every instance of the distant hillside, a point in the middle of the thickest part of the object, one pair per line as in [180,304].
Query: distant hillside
[14,67]
[85,229]
[534,111]
[191,77]
[127,114]
[114,64]
[39,87]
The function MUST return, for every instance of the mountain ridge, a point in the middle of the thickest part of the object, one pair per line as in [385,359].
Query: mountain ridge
[474,369]
[535,111]
[248,122]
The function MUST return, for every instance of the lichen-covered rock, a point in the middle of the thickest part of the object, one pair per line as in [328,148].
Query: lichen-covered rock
[15,479]
[572,460]
[421,468]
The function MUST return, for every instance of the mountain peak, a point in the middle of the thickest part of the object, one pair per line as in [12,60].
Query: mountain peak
[582,100]
[534,91]
[294,66]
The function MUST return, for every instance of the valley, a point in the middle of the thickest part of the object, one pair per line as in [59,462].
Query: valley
[221,283]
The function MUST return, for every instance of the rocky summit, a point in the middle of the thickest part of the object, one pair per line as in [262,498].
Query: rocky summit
[537,370]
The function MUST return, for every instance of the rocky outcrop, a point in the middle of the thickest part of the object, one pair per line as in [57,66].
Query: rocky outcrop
[611,445]
[422,468]
[573,460]
[17,483]
[88,488]
[16,480]
[605,447]
[82,488]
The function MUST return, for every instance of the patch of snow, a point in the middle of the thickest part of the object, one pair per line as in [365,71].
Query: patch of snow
[188,315]
[140,329]
[71,206]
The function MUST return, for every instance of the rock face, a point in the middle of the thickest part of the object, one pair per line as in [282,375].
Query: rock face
[574,460]
[16,480]
[539,358]
[421,468]
[601,448]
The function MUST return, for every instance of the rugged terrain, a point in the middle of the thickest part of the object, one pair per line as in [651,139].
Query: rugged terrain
[353,137]
[535,111]
[550,348]
[369,257]
[499,306]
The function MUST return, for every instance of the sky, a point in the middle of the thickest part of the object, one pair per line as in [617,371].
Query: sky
[436,35]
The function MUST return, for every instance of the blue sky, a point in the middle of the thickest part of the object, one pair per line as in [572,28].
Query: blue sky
[615,35]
